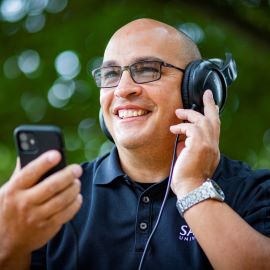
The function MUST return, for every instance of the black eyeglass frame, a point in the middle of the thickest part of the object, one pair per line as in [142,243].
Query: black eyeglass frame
[128,68]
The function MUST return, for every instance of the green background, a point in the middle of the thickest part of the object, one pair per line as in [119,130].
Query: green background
[84,27]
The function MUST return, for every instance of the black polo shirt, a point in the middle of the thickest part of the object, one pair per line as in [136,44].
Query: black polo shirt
[117,216]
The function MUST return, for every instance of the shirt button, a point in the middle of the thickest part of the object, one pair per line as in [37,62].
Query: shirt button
[145,199]
[143,226]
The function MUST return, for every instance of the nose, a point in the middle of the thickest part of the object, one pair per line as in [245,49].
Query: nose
[127,87]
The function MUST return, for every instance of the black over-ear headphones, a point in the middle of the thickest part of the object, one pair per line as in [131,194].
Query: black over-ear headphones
[200,75]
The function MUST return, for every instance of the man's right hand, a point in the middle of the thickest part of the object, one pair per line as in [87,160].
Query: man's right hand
[32,212]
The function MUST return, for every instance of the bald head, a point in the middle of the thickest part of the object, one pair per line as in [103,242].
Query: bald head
[180,45]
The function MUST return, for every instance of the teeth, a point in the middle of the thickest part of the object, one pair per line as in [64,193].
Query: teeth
[131,113]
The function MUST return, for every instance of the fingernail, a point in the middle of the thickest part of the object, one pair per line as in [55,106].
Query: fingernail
[177,111]
[209,93]
[77,170]
[53,156]
[80,198]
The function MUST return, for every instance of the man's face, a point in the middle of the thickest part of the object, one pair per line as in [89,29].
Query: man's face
[141,114]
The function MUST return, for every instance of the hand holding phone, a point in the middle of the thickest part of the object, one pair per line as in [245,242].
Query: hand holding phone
[33,213]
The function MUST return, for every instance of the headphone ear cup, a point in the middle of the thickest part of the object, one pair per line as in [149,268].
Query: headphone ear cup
[200,76]
[104,127]
[187,84]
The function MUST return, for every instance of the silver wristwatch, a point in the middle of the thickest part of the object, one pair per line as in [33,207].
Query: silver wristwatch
[208,190]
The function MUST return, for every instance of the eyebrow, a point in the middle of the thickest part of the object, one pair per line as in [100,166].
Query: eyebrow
[135,60]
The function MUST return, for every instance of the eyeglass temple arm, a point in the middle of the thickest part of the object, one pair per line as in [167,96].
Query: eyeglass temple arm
[172,66]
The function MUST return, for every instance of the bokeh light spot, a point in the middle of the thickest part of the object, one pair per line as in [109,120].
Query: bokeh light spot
[55,6]
[86,127]
[90,148]
[67,64]
[10,68]
[105,148]
[72,141]
[60,93]
[35,23]
[29,61]
[36,7]
[34,106]
[192,30]
[82,91]
[13,10]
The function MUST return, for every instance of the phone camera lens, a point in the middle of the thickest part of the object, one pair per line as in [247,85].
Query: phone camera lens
[25,146]
[27,141]
[23,137]
[32,141]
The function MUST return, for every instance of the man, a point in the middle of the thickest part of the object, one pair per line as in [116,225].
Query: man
[123,191]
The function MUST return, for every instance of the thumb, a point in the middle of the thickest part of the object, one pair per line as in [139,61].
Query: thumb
[210,107]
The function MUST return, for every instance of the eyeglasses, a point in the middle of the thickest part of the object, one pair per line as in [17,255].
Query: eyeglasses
[140,72]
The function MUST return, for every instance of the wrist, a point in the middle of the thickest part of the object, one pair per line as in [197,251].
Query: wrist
[14,261]
[11,250]
[182,188]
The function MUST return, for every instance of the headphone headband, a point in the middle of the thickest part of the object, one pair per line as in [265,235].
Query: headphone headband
[228,68]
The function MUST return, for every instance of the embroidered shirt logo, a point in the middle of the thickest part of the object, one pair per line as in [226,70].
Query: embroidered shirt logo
[186,234]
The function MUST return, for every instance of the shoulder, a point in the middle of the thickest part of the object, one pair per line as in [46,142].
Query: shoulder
[242,184]
[230,170]
[245,189]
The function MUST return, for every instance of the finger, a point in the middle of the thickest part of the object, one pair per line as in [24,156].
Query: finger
[32,172]
[57,203]
[211,110]
[188,115]
[186,129]
[66,214]
[55,183]
[191,132]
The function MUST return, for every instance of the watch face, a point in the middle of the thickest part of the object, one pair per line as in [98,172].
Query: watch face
[218,189]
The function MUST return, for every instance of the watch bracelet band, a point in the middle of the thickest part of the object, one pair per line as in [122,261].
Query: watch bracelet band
[196,196]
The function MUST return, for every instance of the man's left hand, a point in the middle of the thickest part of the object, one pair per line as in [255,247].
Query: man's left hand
[198,154]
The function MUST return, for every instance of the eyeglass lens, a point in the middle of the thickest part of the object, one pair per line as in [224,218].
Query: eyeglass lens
[141,72]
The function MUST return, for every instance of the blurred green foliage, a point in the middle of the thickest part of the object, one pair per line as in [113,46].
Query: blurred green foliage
[31,44]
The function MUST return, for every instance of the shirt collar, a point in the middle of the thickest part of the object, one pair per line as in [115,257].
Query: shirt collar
[109,169]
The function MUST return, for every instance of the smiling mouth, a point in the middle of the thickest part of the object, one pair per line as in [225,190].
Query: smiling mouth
[131,113]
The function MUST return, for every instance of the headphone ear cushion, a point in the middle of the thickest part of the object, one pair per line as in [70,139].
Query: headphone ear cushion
[104,127]
[200,76]
[187,83]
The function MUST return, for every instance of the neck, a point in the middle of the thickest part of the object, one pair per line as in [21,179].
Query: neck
[146,165]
